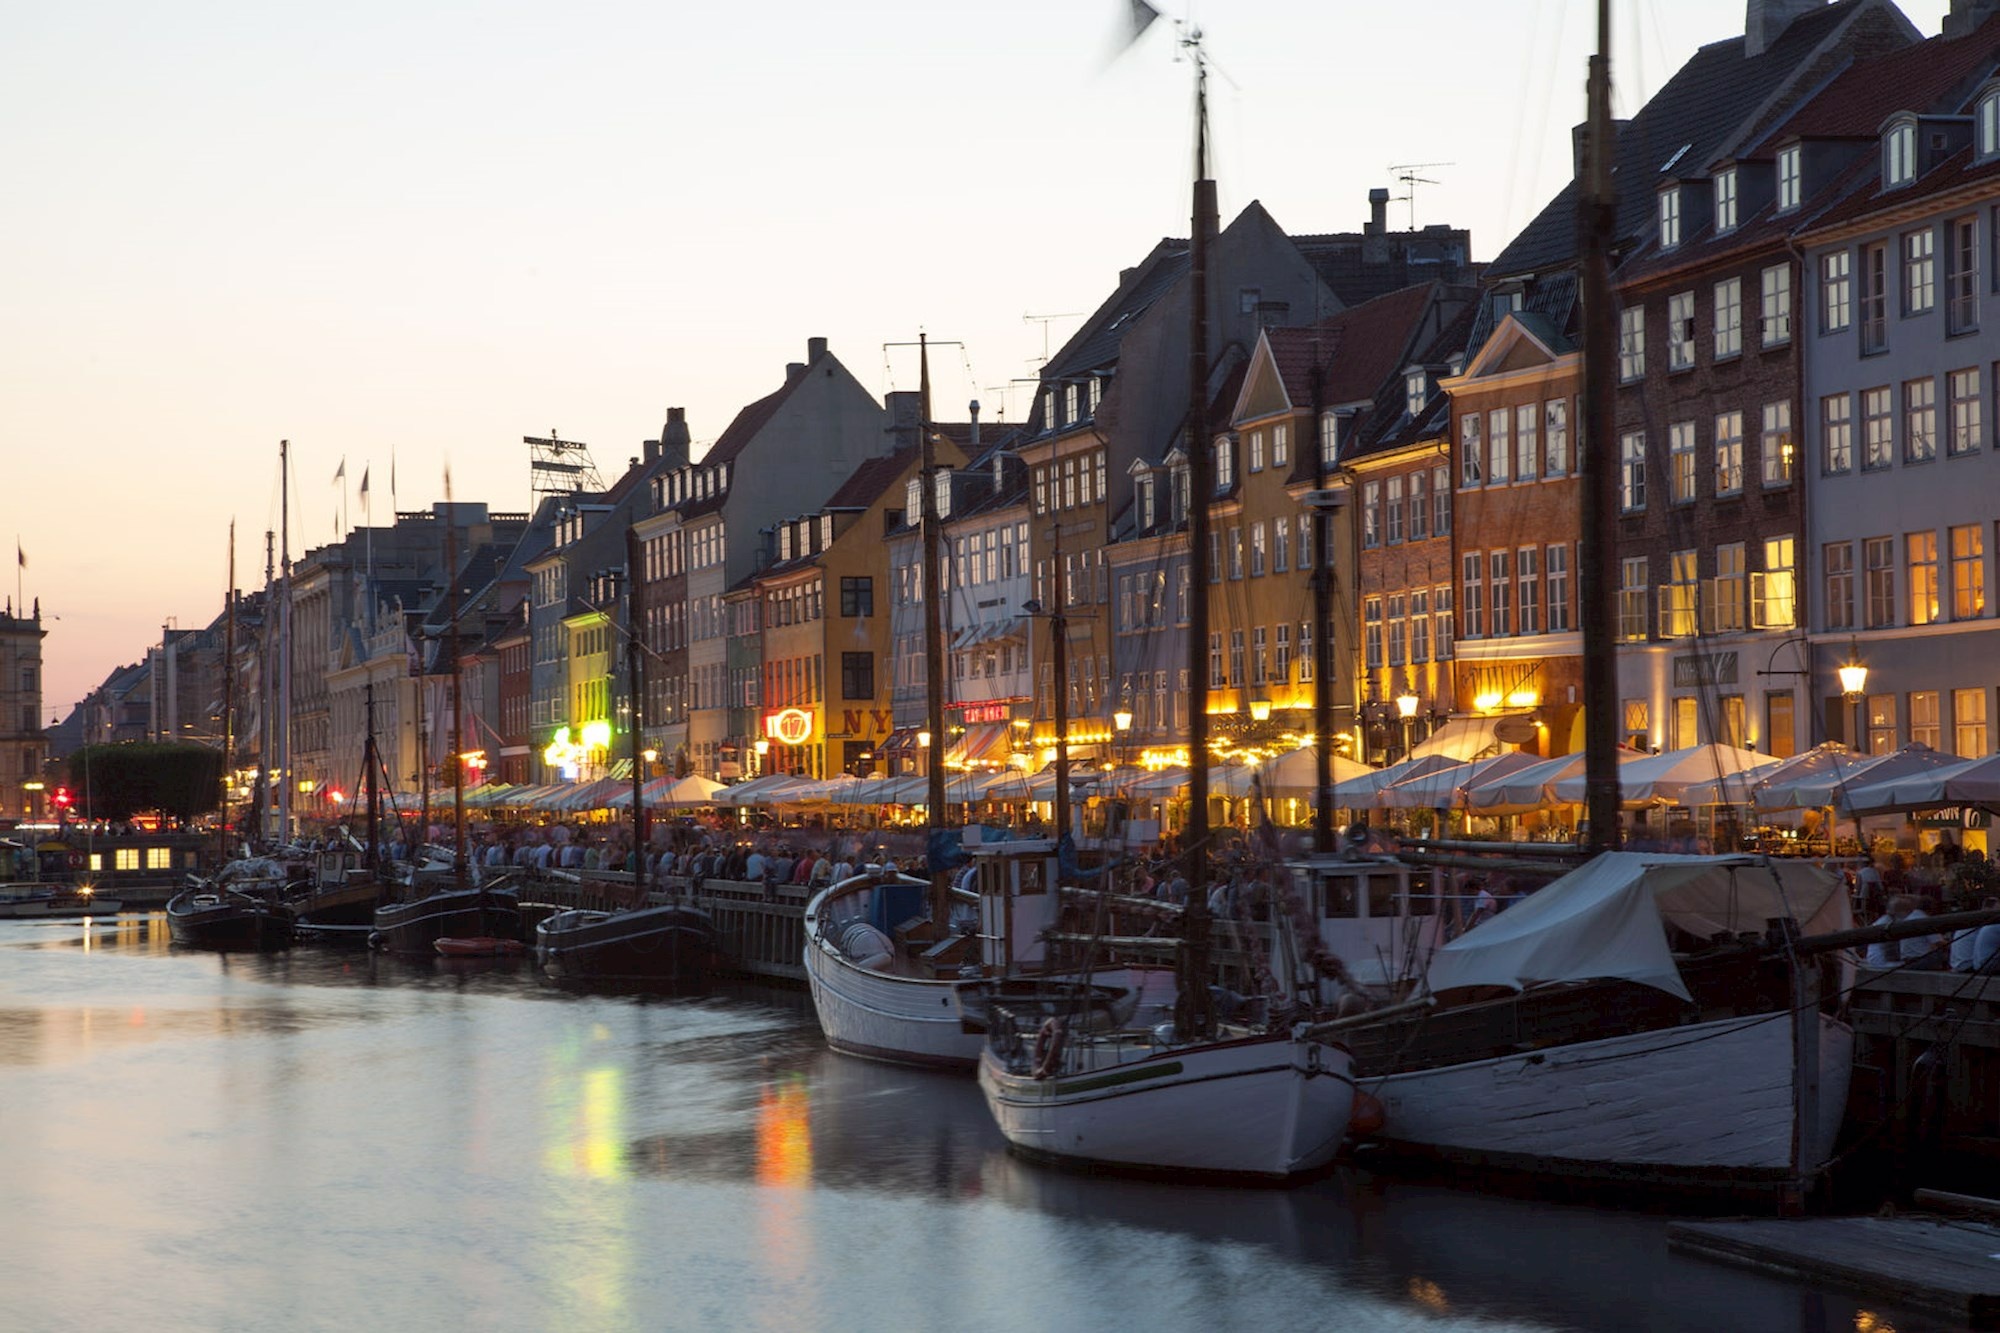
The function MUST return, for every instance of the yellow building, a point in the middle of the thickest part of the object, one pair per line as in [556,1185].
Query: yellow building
[582,746]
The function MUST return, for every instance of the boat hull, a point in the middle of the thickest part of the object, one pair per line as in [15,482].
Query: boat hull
[59,905]
[231,925]
[1711,1106]
[415,927]
[1268,1107]
[669,947]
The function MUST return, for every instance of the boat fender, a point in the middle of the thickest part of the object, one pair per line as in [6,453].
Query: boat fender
[1368,1116]
[1048,1048]
[375,940]
[866,947]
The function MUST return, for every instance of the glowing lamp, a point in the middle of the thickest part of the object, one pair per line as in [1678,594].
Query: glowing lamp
[1122,719]
[924,739]
[1853,679]
[1406,706]
[1487,702]
[1260,710]
[597,735]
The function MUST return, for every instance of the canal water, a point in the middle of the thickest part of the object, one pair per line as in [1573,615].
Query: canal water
[335,1140]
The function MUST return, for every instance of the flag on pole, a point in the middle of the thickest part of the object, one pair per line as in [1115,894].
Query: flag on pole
[340,473]
[20,556]
[364,485]
[1139,17]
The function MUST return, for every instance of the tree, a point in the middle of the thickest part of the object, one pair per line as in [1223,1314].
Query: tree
[174,778]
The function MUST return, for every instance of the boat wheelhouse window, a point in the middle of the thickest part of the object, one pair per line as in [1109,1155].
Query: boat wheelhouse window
[1338,892]
[1032,880]
[1382,890]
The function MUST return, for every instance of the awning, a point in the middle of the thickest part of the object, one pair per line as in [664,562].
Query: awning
[1462,738]
[903,740]
[986,742]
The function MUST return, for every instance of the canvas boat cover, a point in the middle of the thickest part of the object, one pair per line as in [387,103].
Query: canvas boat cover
[1607,918]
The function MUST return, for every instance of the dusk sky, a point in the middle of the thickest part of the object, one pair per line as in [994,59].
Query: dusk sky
[401,225]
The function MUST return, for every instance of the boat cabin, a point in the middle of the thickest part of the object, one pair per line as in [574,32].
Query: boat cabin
[1371,915]
[1018,902]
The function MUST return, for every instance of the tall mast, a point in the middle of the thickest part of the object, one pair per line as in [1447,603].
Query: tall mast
[228,688]
[1597,551]
[266,695]
[635,676]
[285,639]
[1201,486]
[1322,630]
[457,702]
[371,761]
[933,629]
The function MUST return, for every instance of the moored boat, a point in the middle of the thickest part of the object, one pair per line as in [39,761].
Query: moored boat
[414,925]
[226,919]
[54,900]
[669,947]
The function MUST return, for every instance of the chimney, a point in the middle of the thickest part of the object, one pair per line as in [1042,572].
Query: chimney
[1966,15]
[815,349]
[1378,212]
[674,438]
[972,408]
[794,371]
[1764,21]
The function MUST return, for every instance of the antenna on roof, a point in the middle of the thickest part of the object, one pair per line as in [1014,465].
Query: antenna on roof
[1406,172]
[1045,321]
[559,467]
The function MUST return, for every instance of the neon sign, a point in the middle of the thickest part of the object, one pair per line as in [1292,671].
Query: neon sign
[789,726]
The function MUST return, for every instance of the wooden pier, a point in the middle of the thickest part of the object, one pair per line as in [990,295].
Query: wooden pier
[1927,1062]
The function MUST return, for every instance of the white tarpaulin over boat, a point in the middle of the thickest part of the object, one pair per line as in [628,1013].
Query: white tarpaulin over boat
[1606,919]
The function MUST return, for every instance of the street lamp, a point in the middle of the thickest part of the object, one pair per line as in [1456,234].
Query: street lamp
[1406,709]
[1853,688]
[1260,710]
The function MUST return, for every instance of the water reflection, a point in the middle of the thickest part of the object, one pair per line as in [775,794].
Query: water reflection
[467,1147]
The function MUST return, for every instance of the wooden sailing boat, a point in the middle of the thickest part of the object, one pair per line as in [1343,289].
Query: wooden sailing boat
[455,907]
[1239,1094]
[644,945]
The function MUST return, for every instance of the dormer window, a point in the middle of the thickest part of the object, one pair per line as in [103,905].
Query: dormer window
[1670,217]
[1988,120]
[784,541]
[1790,179]
[1075,412]
[1054,398]
[1147,516]
[913,499]
[1725,200]
[1096,392]
[825,531]
[1899,156]
[1225,465]
[941,488]
[1416,392]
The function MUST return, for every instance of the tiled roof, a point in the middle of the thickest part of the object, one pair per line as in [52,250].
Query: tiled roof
[1764,228]
[1700,114]
[1359,347]
[749,421]
[1933,76]
[1435,419]
[1955,172]
[864,486]
[1095,345]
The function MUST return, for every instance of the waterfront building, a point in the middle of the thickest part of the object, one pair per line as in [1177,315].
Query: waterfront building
[23,743]
[663,548]
[1900,340]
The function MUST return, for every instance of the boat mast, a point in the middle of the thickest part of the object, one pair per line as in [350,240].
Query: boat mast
[1597,550]
[370,761]
[635,676]
[228,689]
[285,639]
[1322,631]
[1201,486]
[933,630]
[458,868]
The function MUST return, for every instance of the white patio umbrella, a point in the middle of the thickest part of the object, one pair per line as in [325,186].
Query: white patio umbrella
[1790,783]
[693,789]
[1367,789]
[1910,762]
[1966,782]
[1664,779]
[1528,789]
[1442,788]
[1294,774]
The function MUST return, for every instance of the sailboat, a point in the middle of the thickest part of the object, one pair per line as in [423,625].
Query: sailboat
[1253,1092]
[885,952]
[243,906]
[346,880]
[663,946]
[450,906]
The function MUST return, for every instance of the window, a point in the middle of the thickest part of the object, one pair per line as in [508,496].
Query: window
[1919,271]
[1775,598]
[1632,343]
[1680,462]
[1236,553]
[1499,459]
[1921,550]
[1968,572]
[1726,612]
[1632,471]
[1899,149]
[857,675]
[1836,292]
[1392,516]
[1555,433]
[1879,560]
[1729,453]
[1966,425]
[1775,444]
[1728,318]
[1225,465]
[1215,555]
[1881,714]
[1838,559]
[1527,441]
[1257,549]
[1474,566]
[1961,275]
[1420,509]
[1989,144]
[1260,656]
[1670,217]
[1416,392]
[1679,597]
[1836,416]
[1305,652]
[1306,522]
[857,596]
[1500,589]
[1780,730]
[1776,314]
[1371,514]
[1420,625]
[1440,501]
[1680,331]
[1789,179]
[1632,599]
[1878,421]
[1558,575]
[1255,440]
[1236,657]
[1732,720]
[1281,445]
[1216,680]
[1329,439]
[1281,664]
[1527,573]
[1874,298]
[1725,200]
[1687,723]
[1441,621]
[1968,707]
[1919,420]
[1281,545]
[1638,730]
[1471,455]
[1398,628]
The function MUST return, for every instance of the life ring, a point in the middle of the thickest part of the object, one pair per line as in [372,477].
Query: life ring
[1048,1048]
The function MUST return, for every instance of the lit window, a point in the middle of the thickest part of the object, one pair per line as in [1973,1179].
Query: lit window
[1836,291]
[1632,343]
[1777,305]
[1680,331]
[1789,179]
[1900,156]
[1728,317]
[1680,462]
[1728,453]
[1776,443]
[1919,271]
[1670,217]
[1725,200]
[1632,471]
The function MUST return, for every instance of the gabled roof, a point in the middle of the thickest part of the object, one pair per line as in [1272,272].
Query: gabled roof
[865,485]
[751,420]
[1095,345]
[1356,349]
[1700,116]
[1932,76]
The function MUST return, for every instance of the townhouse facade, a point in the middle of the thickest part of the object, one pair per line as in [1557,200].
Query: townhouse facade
[23,742]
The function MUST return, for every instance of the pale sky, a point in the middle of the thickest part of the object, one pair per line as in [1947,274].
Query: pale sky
[432,229]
